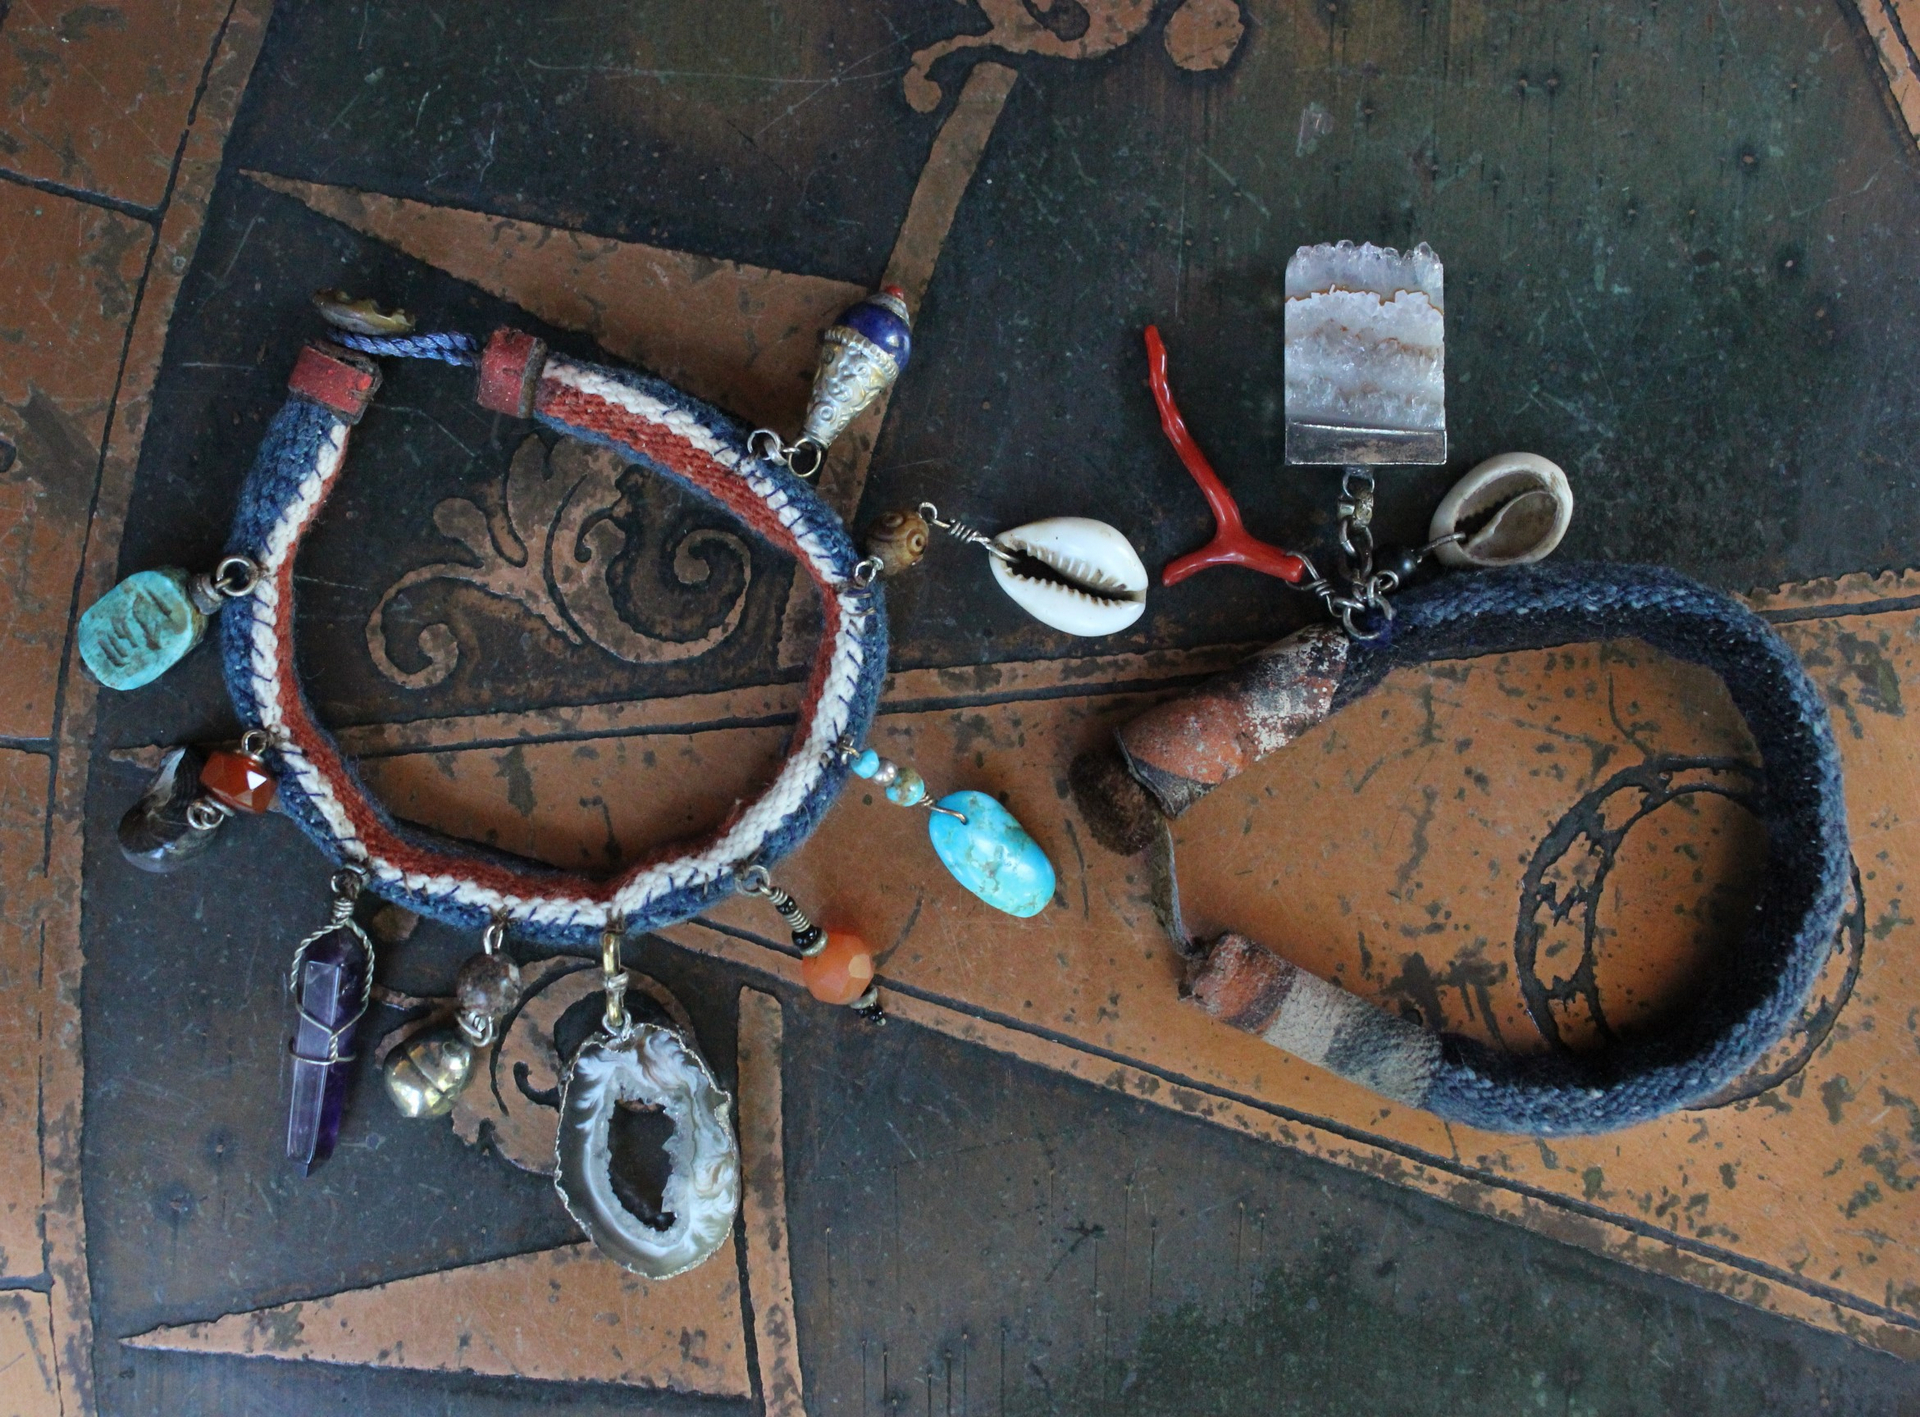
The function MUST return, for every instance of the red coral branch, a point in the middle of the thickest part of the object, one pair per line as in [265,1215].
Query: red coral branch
[1232,544]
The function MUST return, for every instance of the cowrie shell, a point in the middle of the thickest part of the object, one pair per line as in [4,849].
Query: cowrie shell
[1531,506]
[1095,584]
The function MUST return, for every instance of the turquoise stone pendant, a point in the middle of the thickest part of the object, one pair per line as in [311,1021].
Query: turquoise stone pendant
[142,628]
[991,854]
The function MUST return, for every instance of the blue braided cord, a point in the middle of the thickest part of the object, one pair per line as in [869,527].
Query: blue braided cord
[448,348]
[1758,992]
[287,457]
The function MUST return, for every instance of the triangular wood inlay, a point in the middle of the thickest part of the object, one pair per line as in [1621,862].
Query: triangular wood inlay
[565,1314]
[741,336]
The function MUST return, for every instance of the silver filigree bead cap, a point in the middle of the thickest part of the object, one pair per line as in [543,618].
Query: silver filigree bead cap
[862,354]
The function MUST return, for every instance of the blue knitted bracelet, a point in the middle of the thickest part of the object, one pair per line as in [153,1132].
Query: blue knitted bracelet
[650,423]
[1176,752]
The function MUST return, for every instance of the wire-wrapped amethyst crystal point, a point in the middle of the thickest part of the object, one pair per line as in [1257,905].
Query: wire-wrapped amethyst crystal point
[330,990]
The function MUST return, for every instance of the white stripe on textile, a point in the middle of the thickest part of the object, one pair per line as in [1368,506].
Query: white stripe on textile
[798,778]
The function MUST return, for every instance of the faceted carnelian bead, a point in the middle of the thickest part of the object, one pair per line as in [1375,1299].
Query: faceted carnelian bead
[239,780]
[841,972]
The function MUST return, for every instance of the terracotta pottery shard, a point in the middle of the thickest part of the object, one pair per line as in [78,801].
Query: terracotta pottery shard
[1187,746]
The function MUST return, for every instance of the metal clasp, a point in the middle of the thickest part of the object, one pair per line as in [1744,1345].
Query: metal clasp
[360,316]
[613,977]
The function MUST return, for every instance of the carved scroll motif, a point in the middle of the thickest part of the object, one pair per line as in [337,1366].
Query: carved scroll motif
[1200,35]
[551,553]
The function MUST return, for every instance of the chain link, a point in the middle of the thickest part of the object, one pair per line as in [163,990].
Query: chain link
[1359,599]
[803,459]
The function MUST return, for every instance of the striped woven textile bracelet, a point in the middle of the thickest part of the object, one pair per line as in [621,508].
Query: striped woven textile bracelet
[643,1052]
[648,422]
[1167,759]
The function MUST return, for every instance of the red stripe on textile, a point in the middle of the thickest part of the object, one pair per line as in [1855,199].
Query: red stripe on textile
[642,436]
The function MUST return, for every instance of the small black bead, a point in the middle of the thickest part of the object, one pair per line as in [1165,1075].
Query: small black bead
[1401,562]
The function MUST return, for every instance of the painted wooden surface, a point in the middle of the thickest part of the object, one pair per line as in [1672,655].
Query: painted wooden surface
[1677,239]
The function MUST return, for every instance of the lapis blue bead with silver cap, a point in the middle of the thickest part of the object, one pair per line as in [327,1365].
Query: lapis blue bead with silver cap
[862,354]
[882,319]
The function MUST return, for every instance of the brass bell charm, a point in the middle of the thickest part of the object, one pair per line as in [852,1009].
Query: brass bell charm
[427,1073]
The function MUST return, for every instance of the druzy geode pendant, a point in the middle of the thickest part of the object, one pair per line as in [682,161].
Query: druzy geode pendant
[651,1067]
[863,352]
[1365,356]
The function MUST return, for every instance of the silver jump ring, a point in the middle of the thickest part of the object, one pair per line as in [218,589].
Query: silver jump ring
[236,576]
[805,458]
[205,813]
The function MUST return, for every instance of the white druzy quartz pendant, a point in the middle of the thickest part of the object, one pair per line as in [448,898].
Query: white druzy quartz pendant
[1365,356]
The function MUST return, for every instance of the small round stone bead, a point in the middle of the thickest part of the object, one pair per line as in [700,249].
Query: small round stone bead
[488,985]
[841,972]
[239,780]
[866,765]
[1400,562]
[897,540]
[908,789]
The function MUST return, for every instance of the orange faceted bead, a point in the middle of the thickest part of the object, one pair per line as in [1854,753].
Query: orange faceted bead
[841,972]
[239,780]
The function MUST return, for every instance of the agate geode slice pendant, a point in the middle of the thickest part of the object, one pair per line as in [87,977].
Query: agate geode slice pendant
[649,1067]
[1365,356]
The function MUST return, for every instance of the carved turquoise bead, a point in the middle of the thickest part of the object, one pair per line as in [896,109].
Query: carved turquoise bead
[141,628]
[991,854]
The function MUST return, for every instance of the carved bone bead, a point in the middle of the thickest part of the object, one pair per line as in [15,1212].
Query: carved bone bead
[897,540]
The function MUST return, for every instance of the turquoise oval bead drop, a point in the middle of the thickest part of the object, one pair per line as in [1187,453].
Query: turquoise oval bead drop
[991,854]
[140,629]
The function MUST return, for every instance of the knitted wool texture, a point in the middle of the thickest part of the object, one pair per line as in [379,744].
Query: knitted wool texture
[648,422]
